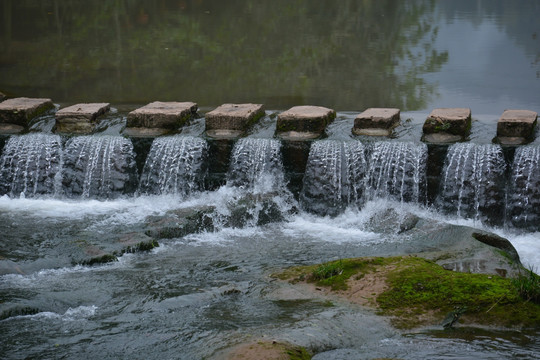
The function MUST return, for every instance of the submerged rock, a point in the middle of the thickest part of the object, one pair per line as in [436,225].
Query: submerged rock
[179,222]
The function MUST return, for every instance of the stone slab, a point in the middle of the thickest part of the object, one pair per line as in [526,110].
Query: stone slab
[517,124]
[455,121]
[511,140]
[441,138]
[79,118]
[19,111]
[89,111]
[304,122]
[232,118]
[376,121]
[163,115]
[10,129]
[141,132]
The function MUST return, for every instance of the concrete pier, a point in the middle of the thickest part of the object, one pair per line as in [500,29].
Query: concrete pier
[304,122]
[232,120]
[376,122]
[447,125]
[80,118]
[516,127]
[159,118]
[15,114]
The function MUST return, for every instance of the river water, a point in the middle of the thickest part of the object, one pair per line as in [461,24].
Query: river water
[195,295]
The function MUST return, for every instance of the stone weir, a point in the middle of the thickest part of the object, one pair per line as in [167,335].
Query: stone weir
[445,171]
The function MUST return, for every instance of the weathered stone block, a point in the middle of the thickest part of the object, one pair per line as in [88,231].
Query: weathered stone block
[304,122]
[141,132]
[19,111]
[516,126]
[79,118]
[376,122]
[232,120]
[162,115]
[445,125]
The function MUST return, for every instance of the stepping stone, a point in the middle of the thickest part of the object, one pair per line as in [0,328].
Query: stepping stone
[376,122]
[516,127]
[79,118]
[19,111]
[166,116]
[232,120]
[304,122]
[447,125]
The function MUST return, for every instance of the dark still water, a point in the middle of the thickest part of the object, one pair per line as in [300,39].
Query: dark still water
[347,55]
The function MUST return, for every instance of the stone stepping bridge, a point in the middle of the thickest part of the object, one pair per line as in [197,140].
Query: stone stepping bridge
[229,121]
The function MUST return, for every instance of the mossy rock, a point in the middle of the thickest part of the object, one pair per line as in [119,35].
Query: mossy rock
[420,292]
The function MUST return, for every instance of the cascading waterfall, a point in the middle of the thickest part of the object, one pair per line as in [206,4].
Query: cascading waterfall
[30,165]
[175,165]
[397,171]
[257,181]
[99,167]
[334,176]
[256,164]
[523,200]
[472,184]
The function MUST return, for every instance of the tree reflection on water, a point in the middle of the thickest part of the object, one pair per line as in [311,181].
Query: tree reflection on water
[348,55]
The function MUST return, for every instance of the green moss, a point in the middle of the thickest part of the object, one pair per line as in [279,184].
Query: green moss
[418,286]
[527,285]
[285,126]
[298,353]
[142,246]
[336,273]
[333,274]
[420,291]
[104,259]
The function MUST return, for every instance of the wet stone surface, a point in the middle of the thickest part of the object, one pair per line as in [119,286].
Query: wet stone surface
[163,115]
[19,111]
[304,122]
[447,125]
[79,118]
[376,121]
[232,119]
[516,127]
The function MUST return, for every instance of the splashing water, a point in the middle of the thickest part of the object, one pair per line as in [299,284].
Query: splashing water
[256,164]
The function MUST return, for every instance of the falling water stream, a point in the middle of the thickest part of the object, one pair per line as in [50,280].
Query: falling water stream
[197,294]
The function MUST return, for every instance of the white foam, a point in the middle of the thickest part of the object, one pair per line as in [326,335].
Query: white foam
[71,314]
[348,227]
[40,277]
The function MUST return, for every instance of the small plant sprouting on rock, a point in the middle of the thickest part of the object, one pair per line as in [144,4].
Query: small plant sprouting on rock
[528,286]
[328,270]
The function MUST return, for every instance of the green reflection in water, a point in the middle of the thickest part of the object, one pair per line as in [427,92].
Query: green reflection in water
[347,55]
